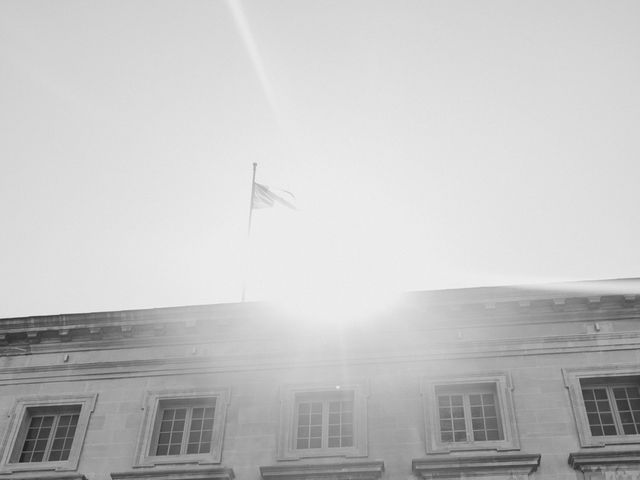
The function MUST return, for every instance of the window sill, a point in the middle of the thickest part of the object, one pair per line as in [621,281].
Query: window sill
[37,467]
[591,441]
[503,465]
[590,461]
[323,452]
[334,471]
[53,476]
[201,459]
[499,446]
[215,473]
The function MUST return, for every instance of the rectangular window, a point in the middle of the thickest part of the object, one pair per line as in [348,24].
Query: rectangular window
[474,412]
[612,409]
[468,416]
[323,421]
[49,435]
[184,428]
[46,432]
[606,404]
[326,423]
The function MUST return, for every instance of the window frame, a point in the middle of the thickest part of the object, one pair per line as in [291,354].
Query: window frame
[324,398]
[189,405]
[20,417]
[154,403]
[292,395]
[43,411]
[576,379]
[499,384]
[465,391]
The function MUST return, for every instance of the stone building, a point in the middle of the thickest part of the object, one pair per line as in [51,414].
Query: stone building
[501,382]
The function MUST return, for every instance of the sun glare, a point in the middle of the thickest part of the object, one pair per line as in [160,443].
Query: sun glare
[335,308]
[310,275]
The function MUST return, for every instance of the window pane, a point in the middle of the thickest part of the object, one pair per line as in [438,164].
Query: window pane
[598,411]
[192,448]
[629,416]
[460,436]
[200,430]
[309,425]
[340,424]
[63,437]
[451,418]
[37,437]
[55,455]
[171,431]
[484,418]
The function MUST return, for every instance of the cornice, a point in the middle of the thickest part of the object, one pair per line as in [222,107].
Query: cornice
[144,367]
[480,465]
[51,476]
[331,471]
[598,459]
[210,473]
[441,312]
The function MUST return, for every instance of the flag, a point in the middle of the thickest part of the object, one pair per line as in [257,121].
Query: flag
[263,197]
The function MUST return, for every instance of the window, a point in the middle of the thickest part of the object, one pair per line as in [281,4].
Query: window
[612,409]
[322,421]
[468,414]
[46,433]
[471,413]
[606,404]
[182,426]
[49,434]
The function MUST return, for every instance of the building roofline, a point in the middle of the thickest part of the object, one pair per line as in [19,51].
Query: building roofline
[616,299]
[439,297]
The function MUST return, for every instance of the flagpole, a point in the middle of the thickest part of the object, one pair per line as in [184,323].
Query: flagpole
[253,188]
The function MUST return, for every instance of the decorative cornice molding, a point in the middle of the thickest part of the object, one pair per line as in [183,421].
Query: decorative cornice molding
[477,465]
[189,364]
[451,314]
[332,471]
[597,460]
[210,473]
[52,476]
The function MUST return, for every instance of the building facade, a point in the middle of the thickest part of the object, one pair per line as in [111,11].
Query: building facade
[497,382]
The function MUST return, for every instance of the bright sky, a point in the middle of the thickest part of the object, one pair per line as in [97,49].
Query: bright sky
[430,144]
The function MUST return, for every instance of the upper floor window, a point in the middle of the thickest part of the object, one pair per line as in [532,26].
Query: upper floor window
[49,434]
[182,426]
[470,413]
[322,421]
[46,433]
[612,409]
[606,404]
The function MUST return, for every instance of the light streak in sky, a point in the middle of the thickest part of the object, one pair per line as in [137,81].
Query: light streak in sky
[254,54]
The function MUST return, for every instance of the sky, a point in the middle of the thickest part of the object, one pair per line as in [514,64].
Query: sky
[429,145]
